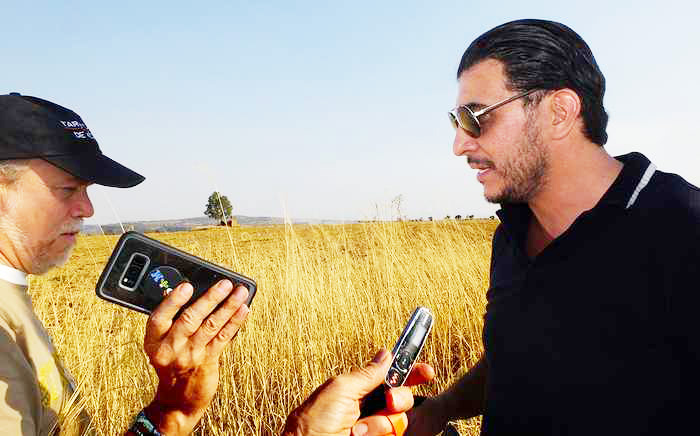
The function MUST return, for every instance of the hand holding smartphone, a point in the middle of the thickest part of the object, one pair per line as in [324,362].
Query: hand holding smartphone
[142,271]
[185,351]
[405,354]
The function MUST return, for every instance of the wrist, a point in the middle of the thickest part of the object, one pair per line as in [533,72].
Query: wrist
[143,426]
[439,409]
[169,422]
[292,427]
[299,424]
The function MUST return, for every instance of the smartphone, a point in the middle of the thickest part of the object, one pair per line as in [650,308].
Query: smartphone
[142,271]
[405,354]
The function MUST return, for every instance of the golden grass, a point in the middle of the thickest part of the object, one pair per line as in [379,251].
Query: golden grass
[329,297]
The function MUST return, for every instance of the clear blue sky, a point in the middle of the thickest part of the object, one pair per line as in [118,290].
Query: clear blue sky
[323,109]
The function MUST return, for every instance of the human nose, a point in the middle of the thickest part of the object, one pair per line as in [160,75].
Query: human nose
[83,206]
[463,143]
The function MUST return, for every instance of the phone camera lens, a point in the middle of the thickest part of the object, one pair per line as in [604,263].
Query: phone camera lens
[132,274]
[133,271]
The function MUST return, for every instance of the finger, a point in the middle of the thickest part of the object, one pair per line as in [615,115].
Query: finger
[399,399]
[217,320]
[380,425]
[191,318]
[161,318]
[227,333]
[421,373]
[365,379]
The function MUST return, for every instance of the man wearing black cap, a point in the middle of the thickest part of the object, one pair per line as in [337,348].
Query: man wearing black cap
[48,157]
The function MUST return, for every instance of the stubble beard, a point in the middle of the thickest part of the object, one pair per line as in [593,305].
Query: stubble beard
[44,262]
[39,259]
[524,174]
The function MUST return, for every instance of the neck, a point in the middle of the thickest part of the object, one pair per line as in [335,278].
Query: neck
[575,183]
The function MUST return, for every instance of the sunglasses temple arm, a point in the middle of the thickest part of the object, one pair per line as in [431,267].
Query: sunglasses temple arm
[501,103]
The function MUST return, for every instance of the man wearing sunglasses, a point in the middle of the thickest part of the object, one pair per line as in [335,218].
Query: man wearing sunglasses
[590,326]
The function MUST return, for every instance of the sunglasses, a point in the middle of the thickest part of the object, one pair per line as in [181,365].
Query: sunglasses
[468,120]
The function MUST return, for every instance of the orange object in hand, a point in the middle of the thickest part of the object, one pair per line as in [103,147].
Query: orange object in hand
[399,422]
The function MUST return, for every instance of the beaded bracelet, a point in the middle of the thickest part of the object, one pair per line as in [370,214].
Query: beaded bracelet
[143,426]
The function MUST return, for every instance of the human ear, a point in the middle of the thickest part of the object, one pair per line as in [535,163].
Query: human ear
[565,108]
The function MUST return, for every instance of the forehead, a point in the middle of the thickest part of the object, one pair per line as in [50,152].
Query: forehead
[482,84]
[50,174]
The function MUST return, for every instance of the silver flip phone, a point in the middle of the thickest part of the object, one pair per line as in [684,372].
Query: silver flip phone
[409,346]
[405,354]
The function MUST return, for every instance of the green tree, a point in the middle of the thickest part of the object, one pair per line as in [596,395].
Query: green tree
[218,207]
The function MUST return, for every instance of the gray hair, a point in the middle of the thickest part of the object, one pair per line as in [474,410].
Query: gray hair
[12,169]
[10,172]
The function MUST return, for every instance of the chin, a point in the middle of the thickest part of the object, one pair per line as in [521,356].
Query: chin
[494,196]
[45,261]
[505,196]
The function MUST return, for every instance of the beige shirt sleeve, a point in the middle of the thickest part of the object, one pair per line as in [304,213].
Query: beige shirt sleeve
[20,397]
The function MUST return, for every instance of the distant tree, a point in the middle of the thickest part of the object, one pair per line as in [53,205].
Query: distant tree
[471,217]
[447,217]
[218,207]
[458,217]
[430,218]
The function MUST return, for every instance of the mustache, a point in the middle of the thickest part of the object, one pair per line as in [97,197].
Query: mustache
[71,227]
[477,161]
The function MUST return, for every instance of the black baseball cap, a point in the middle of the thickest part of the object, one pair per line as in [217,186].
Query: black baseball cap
[34,128]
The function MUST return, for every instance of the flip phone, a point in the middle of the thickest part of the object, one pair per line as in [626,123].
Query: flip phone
[405,354]
[142,271]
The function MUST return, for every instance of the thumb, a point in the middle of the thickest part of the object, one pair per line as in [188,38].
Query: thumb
[372,375]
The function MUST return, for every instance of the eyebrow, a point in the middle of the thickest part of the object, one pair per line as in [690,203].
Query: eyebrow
[72,179]
[474,106]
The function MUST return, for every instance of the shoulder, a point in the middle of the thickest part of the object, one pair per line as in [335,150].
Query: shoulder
[670,198]
[15,306]
[670,210]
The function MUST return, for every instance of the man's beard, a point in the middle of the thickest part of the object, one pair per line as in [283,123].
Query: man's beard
[524,173]
[40,259]
[44,261]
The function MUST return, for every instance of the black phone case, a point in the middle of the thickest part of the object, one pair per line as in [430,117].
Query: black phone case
[164,269]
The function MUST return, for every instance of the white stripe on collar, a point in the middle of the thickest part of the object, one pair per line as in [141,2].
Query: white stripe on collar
[13,275]
[651,169]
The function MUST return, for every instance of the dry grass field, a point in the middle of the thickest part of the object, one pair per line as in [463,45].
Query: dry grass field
[329,296]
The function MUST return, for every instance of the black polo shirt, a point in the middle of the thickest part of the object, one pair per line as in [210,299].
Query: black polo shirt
[599,334]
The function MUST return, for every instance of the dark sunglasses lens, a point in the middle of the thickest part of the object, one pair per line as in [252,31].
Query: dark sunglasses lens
[468,122]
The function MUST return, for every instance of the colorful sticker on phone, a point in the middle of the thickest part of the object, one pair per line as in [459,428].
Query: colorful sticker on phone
[160,280]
